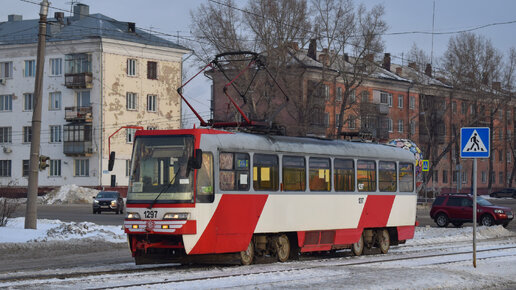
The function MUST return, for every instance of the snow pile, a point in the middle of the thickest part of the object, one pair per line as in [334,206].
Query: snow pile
[429,235]
[55,230]
[68,194]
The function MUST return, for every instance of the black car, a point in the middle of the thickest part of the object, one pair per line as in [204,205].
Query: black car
[108,201]
[506,192]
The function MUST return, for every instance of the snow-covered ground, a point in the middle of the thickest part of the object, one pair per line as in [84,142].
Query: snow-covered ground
[437,258]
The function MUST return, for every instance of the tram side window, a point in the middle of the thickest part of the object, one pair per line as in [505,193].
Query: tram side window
[234,171]
[406,177]
[204,191]
[294,173]
[387,176]
[265,172]
[319,174]
[344,175]
[366,175]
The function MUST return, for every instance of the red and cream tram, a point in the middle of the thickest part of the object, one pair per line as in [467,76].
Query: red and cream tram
[199,192]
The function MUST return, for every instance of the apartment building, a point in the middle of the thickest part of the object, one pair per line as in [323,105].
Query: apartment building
[100,75]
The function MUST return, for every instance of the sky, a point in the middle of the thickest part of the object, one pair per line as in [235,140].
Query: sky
[172,17]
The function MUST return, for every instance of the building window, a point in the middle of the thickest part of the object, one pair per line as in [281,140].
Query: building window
[30,68]
[152,70]
[454,106]
[151,103]
[509,158]
[82,167]
[365,97]
[55,101]
[25,168]
[463,108]
[131,67]
[352,122]
[337,120]
[352,97]
[6,103]
[27,134]
[77,63]
[56,66]
[400,101]
[445,176]
[435,176]
[500,156]
[77,133]
[6,134]
[484,177]
[55,167]
[412,127]
[389,125]
[127,167]
[55,134]
[28,102]
[339,94]
[412,102]
[129,137]
[400,126]
[326,92]
[5,168]
[6,70]
[500,177]
[326,119]
[132,101]
[493,177]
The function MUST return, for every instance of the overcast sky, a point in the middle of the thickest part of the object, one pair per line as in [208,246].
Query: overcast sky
[173,17]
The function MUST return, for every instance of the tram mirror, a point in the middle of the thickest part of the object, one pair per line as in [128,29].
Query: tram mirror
[111,162]
[196,160]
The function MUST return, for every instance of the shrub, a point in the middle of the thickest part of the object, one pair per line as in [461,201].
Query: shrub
[7,209]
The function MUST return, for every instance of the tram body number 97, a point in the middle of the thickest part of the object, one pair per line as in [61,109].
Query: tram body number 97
[150,214]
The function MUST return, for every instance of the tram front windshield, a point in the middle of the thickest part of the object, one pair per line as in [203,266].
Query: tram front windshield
[160,171]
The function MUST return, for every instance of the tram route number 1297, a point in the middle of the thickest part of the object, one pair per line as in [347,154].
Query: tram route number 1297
[150,214]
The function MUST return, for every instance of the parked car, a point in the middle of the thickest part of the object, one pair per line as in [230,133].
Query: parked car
[458,209]
[506,192]
[108,201]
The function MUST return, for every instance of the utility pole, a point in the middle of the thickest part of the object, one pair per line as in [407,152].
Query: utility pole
[31,214]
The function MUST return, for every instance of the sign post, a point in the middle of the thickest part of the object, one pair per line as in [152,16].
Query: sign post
[475,143]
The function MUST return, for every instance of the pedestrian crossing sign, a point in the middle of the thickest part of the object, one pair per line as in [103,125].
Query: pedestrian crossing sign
[475,142]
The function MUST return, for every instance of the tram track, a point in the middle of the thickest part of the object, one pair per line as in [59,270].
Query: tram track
[203,275]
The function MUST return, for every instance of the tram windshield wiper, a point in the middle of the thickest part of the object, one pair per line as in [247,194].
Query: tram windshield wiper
[165,188]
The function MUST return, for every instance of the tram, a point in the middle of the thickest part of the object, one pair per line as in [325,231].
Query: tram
[205,192]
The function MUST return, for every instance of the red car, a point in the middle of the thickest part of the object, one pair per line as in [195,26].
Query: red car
[458,209]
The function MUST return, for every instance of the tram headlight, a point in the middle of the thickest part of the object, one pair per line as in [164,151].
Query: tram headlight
[176,216]
[133,216]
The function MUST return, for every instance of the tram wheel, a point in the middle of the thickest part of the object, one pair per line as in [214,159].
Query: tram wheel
[383,240]
[358,248]
[247,256]
[282,247]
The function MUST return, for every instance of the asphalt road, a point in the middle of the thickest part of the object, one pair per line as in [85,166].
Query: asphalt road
[83,212]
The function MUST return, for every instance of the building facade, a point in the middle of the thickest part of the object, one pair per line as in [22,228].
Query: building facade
[100,75]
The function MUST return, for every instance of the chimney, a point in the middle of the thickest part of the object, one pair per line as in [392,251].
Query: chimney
[497,86]
[369,57]
[80,11]
[131,27]
[387,61]
[399,70]
[412,65]
[428,70]
[59,16]
[14,17]
[294,45]
[346,57]
[312,48]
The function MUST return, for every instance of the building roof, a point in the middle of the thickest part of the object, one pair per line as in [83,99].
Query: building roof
[83,26]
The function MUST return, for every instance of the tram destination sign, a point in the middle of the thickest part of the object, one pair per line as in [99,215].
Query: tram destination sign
[475,142]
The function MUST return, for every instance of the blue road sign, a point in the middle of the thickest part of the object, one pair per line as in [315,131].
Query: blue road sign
[475,142]
[426,165]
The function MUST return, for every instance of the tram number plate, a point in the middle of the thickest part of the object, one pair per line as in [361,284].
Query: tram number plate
[150,214]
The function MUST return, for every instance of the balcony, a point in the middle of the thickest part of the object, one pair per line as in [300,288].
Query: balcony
[383,109]
[79,80]
[77,148]
[78,114]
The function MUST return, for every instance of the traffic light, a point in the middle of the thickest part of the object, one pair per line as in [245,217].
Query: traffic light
[43,162]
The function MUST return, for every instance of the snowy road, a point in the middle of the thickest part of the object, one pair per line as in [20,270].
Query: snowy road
[436,258]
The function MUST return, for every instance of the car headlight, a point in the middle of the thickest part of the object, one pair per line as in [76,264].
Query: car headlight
[498,211]
[96,201]
[133,215]
[113,203]
[176,216]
